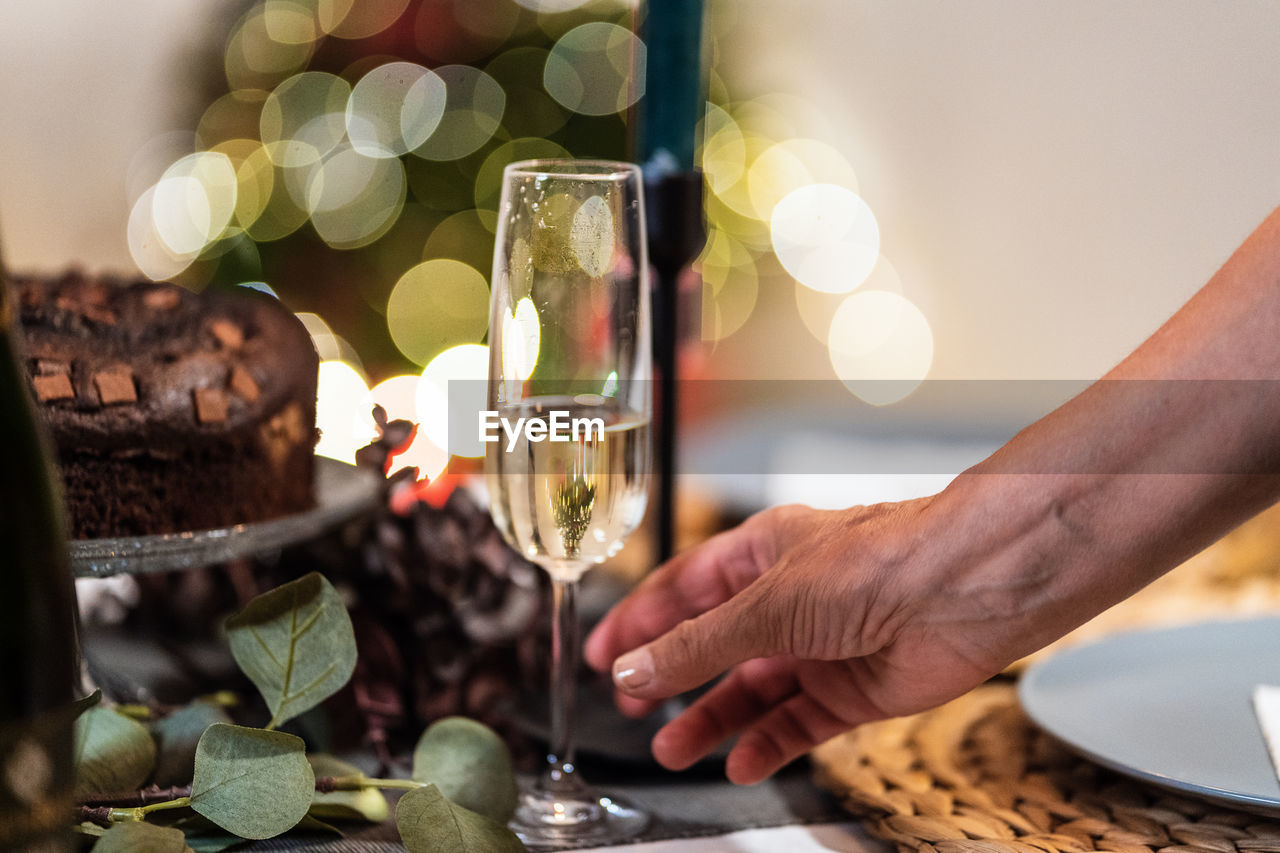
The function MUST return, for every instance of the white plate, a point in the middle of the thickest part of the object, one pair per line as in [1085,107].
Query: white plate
[342,491]
[1171,707]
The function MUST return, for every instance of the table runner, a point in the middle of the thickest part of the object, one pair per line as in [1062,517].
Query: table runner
[689,805]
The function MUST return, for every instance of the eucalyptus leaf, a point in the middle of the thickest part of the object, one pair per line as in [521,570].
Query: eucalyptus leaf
[310,823]
[132,837]
[429,823]
[176,737]
[214,843]
[251,782]
[366,804]
[203,835]
[296,644]
[188,821]
[470,765]
[112,752]
[325,764]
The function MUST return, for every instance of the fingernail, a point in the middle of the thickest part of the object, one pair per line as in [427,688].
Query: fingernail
[634,669]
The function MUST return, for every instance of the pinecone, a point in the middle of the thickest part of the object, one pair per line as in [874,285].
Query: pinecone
[448,617]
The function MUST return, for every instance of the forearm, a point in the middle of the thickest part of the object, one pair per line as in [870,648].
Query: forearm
[1170,450]
[829,620]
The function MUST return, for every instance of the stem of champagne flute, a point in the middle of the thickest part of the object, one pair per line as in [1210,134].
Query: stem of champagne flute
[561,777]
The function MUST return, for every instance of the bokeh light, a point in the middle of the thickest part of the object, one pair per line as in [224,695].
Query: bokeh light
[791,165]
[551,6]
[817,308]
[255,59]
[471,114]
[488,185]
[435,305]
[880,345]
[237,151]
[826,237]
[357,19]
[278,213]
[451,31]
[181,211]
[255,178]
[734,160]
[776,115]
[331,13]
[148,249]
[730,285]
[724,150]
[304,118]
[289,22]
[596,69]
[194,201]
[493,23]
[591,237]
[465,236]
[354,199]
[392,145]
[519,72]
[521,343]
[329,345]
[344,412]
[455,378]
[747,230]
[394,108]
[235,115]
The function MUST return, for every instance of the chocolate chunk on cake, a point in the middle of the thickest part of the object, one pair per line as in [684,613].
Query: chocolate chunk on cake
[171,410]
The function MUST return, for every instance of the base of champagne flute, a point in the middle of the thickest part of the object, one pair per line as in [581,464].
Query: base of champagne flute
[547,821]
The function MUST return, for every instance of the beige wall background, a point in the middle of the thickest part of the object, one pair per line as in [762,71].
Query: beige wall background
[1052,179]
[83,87]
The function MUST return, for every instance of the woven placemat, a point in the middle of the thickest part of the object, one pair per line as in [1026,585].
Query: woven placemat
[977,775]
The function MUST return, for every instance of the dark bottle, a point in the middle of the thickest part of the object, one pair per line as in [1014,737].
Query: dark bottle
[38,647]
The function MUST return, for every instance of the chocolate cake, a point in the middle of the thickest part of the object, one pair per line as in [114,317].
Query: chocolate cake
[170,410]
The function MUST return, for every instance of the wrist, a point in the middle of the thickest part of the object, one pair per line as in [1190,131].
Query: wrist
[1017,559]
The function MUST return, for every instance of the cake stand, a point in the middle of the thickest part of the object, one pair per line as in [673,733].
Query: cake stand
[342,492]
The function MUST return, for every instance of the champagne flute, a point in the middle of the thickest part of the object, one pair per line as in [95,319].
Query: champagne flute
[569,399]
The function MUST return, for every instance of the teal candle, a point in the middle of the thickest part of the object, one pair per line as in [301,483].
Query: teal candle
[673,96]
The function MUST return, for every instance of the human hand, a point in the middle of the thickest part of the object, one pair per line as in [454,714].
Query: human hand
[826,620]
[830,619]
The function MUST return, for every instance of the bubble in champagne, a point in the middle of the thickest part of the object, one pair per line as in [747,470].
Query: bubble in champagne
[880,346]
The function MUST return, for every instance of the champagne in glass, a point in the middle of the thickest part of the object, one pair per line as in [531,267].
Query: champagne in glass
[569,505]
[569,394]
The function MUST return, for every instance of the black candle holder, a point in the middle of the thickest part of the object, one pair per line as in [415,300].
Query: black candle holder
[677,232]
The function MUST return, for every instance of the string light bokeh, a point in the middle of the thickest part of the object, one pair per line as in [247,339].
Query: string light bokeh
[350,155]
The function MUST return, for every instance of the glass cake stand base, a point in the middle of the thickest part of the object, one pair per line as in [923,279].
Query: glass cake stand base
[342,492]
